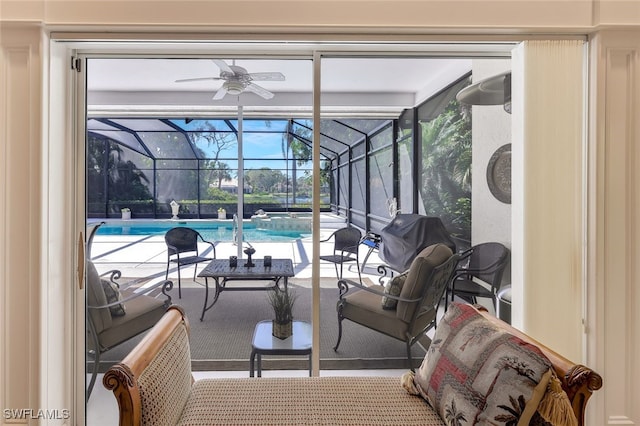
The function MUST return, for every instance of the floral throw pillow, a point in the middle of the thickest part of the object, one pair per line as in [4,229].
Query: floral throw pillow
[112,292]
[393,287]
[475,373]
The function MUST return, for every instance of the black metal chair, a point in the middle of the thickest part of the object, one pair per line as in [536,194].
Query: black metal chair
[417,304]
[345,248]
[481,272]
[182,240]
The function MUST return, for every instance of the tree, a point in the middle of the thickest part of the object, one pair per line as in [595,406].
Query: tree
[110,177]
[219,171]
[298,140]
[264,180]
[217,142]
[446,169]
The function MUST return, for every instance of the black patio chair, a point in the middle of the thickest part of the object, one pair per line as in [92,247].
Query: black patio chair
[345,248]
[479,272]
[182,240]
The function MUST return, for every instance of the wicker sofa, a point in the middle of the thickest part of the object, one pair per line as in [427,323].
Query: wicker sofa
[154,386]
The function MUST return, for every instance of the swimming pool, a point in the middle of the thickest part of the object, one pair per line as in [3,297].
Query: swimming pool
[212,230]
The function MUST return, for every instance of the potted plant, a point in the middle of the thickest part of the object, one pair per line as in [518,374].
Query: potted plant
[222,213]
[126,213]
[282,302]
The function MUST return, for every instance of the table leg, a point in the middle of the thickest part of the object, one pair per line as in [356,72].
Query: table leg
[251,362]
[366,257]
[309,364]
[205,308]
[276,280]
[259,365]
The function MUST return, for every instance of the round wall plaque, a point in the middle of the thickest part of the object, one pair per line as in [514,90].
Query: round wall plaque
[499,174]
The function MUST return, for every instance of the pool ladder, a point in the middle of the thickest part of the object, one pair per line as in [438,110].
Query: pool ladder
[235,232]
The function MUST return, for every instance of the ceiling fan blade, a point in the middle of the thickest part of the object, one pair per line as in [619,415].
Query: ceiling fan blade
[220,93]
[224,67]
[184,80]
[260,91]
[267,76]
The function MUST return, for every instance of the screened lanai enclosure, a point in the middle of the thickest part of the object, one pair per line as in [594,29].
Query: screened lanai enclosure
[227,139]
[417,162]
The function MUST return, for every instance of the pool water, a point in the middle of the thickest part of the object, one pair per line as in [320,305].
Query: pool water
[211,230]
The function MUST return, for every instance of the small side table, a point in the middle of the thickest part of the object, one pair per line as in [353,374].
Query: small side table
[264,343]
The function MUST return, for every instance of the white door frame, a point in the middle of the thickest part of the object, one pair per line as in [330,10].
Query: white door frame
[66,194]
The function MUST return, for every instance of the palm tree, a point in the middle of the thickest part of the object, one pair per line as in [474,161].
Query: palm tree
[452,416]
[513,412]
[446,169]
[287,146]
[219,171]
[112,178]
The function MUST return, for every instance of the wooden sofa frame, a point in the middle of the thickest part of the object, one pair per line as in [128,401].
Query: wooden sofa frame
[578,381]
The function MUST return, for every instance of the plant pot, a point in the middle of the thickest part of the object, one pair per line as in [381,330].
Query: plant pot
[222,214]
[126,215]
[282,331]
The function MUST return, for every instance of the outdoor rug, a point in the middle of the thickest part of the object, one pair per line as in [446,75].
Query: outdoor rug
[222,341]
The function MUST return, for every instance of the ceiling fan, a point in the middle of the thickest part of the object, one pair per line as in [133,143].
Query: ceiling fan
[238,80]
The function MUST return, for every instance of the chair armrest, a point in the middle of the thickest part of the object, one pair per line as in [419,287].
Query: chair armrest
[386,270]
[166,285]
[213,246]
[328,238]
[344,284]
[487,269]
[114,274]
[350,249]
[464,254]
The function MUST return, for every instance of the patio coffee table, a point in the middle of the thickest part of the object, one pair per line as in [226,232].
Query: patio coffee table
[222,273]
[264,343]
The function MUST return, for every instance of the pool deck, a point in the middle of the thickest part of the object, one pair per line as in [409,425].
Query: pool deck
[145,257]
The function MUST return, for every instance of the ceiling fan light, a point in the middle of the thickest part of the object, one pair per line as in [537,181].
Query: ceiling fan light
[234,87]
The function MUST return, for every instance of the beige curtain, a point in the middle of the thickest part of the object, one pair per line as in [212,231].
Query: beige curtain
[548,191]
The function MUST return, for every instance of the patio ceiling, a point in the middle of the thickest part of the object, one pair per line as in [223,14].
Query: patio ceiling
[371,87]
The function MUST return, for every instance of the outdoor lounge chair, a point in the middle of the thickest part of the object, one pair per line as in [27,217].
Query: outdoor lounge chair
[182,240]
[415,308]
[115,315]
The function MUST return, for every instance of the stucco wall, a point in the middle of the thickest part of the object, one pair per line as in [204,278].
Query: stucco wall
[491,129]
